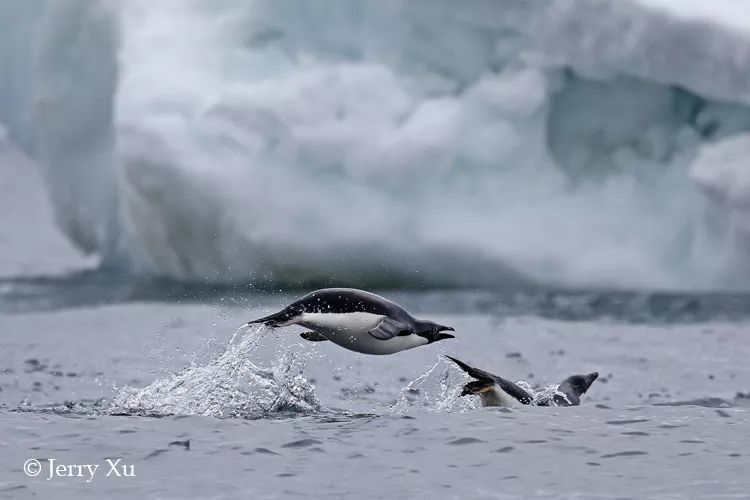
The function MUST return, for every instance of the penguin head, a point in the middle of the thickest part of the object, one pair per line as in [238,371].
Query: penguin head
[573,387]
[581,383]
[434,331]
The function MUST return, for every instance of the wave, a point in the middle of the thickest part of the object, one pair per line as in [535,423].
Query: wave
[562,142]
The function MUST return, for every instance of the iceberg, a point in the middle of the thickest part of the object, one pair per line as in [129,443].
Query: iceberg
[577,143]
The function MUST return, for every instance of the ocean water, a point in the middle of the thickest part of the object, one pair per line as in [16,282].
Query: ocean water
[201,409]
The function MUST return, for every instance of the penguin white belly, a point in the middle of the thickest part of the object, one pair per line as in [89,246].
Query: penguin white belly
[495,396]
[351,331]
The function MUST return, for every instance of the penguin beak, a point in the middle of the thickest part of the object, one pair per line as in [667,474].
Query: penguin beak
[590,379]
[447,329]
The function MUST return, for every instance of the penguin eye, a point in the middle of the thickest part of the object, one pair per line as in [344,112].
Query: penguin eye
[435,329]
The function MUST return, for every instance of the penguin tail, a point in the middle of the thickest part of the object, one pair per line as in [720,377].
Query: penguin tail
[484,381]
[273,320]
[473,372]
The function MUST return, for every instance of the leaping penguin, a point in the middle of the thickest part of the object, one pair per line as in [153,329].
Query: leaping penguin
[357,320]
[497,391]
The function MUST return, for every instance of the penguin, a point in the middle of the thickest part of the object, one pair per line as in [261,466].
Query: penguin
[357,320]
[497,391]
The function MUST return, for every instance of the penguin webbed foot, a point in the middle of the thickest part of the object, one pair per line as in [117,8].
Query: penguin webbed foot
[312,336]
[476,387]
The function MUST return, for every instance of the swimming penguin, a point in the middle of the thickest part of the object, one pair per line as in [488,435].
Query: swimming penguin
[497,391]
[357,320]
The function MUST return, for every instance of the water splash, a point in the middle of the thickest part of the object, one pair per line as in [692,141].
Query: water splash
[232,385]
[437,390]
[542,396]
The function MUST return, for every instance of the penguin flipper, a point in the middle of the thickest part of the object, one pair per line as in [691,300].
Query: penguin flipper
[389,328]
[312,336]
